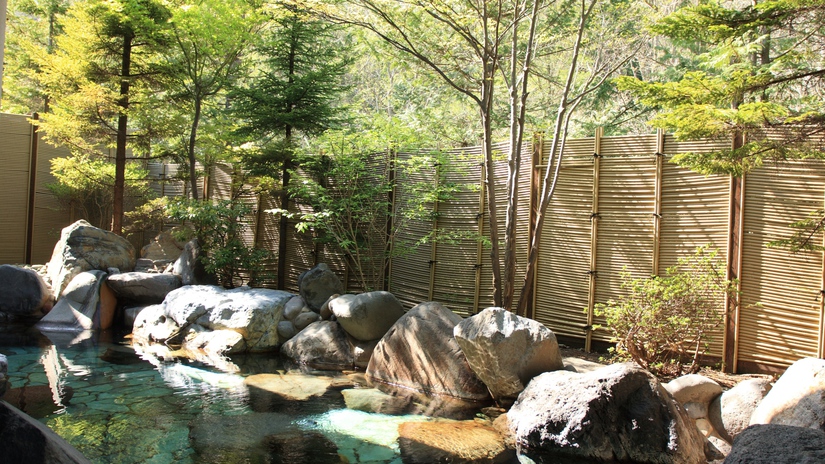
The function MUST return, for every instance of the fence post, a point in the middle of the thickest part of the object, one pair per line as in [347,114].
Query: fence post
[594,236]
[657,201]
[390,214]
[32,189]
[434,241]
[479,243]
[734,264]
[821,347]
[535,185]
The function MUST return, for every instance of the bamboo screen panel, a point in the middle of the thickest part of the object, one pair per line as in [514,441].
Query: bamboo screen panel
[410,271]
[562,281]
[694,213]
[15,140]
[50,217]
[625,222]
[457,256]
[780,310]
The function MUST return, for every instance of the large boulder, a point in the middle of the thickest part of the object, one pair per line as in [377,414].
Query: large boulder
[419,352]
[318,284]
[23,292]
[730,413]
[506,350]
[778,444]
[83,247]
[321,345]
[367,316]
[797,398]
[189,266]
[188,314]
[86,303]
[619,413]
[142,287]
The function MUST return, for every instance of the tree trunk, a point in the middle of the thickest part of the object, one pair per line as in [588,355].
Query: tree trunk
[193,133]
[122,128]
[487,148]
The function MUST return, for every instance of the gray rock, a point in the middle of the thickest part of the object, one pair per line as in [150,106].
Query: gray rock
[142,287]
[252,312]
[506,350]
[86,303]
[294,307]
[778,444]
[163,247]
[190,268]
[130,315]
[367,316]
[325,312]
[362,351]
[28,441]
[322,345]
[419,352]
[23,291]
[730,413]
[286,330]
[83,247]
[797,398]
[317,284]
[617,413]
[693,388]
[304,319]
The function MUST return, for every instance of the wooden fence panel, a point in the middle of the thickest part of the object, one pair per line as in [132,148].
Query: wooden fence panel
[780,313]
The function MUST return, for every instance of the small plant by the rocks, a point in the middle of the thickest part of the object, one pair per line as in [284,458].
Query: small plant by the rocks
[666,322]
[219,228]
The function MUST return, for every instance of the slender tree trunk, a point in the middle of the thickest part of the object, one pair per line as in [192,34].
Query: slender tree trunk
[193,133]
[283,222]
[551,173]
[122,127]
[487,148]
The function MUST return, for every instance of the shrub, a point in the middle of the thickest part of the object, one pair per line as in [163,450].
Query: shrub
[665,320]
[219,229]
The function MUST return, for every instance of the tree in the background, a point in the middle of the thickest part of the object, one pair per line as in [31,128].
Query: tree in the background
[106,57]
[762,76]
[203,59]
[32,26]
[483,49]
[760,84]
[294,91]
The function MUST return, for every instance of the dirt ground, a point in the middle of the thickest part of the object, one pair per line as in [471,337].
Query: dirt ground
[725,380]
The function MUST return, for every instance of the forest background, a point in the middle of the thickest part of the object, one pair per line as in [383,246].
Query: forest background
[274,86]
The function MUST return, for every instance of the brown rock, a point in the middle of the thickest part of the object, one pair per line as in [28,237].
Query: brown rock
[452,441]
[420,352]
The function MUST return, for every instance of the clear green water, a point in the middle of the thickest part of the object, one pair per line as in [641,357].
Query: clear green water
[117,406]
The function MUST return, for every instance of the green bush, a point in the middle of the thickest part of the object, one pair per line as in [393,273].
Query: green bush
[219,229]
[664,321]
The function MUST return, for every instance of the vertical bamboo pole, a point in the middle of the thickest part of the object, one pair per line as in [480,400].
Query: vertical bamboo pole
[479,244]
[434,241]
[32,190]
[730,343]
[657,202]
[535,191]
[390,218]
[594,237]
[821,348]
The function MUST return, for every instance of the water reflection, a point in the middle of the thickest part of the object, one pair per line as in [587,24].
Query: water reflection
[119,403]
